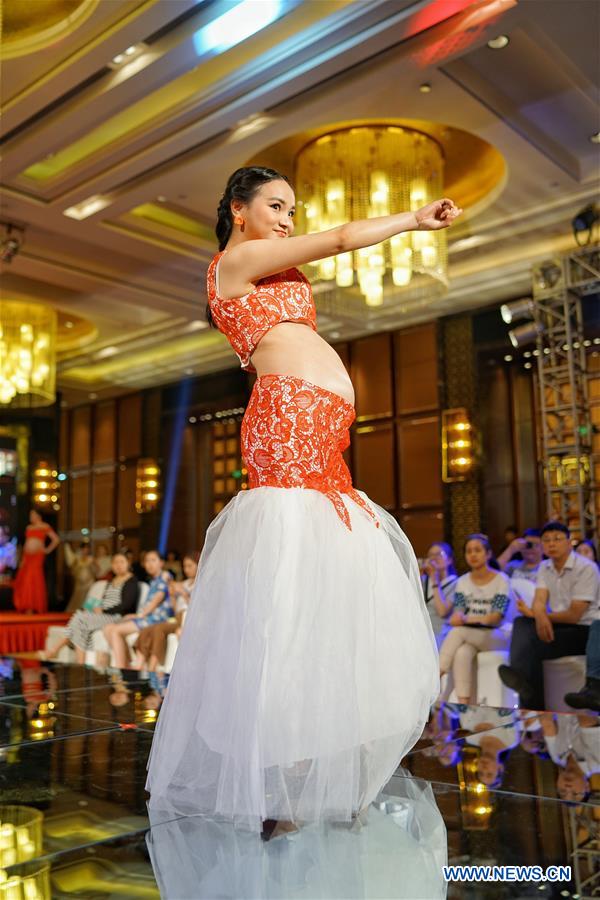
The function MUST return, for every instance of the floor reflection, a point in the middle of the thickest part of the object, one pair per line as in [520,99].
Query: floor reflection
[484,785]
[398,854]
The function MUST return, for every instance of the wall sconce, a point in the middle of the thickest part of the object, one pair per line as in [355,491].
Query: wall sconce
[45,487]
[147,485]
[458,456]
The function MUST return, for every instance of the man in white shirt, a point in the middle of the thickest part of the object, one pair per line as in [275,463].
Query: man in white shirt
[566,602]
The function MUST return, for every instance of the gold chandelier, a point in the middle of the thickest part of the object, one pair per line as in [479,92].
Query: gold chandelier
[27,354]
[363,172]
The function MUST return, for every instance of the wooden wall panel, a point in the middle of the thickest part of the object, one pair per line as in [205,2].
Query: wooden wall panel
[104,432]
[130,426]
[416,369]
[423,528]
[419,462]
[372,376]
[63,440]
[79,495]
[104,493]
[374,463]
[127,516]
[80,436]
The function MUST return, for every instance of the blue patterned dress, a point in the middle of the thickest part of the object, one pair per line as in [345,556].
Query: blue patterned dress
[163,611]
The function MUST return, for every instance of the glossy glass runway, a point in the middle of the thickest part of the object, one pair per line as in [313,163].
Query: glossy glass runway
[480,788]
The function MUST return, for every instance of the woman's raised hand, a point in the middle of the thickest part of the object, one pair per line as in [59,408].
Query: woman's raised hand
[436,215]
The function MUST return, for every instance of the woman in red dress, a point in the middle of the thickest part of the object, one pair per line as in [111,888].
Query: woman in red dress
[30,583]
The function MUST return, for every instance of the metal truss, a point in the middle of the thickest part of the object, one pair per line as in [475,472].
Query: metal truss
[559,286]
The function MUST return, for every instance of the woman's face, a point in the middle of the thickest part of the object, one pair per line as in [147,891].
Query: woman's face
[34,517]
[119,565]
[476,555]
[190,567]
[101,550]
[153,564]
[586,550]
[270,213]
[439,556]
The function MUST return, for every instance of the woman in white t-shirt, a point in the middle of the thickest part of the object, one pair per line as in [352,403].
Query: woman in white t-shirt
[481,600]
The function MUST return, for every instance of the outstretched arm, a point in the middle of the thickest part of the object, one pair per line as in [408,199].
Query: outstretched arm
[251,260]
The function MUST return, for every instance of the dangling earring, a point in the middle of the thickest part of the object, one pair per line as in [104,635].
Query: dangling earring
[237,220]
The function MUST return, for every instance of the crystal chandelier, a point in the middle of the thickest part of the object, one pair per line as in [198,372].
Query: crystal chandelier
[363,172]
[27,354]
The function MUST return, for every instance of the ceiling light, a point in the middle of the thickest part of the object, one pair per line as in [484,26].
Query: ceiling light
[106,351]
[93,396]
[68,324]
[250,125]
[127,56]
[197,324]
[527,366]
[508,358]
[425,88]
[595,138]
[242,21]
[498,43]
[161,198]
[87,207]
[519,309]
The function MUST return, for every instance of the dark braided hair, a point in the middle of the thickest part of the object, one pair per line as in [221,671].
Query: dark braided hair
[242,186]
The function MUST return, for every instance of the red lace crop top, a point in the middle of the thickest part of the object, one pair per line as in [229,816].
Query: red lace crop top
[284,297]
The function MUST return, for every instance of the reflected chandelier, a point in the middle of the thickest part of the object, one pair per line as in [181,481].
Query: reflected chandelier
[363,172]
[27,354]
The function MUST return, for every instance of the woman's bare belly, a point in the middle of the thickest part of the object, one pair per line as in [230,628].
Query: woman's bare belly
[33,545]
[292,348]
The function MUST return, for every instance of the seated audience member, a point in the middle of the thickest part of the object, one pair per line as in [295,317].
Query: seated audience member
[151,646]
[511,534]
[173,564]
[564,606]
[573,743]
[439,579]
[119,597]
[587,548]
[481,599]
[523,572]
[589,695]
[156,609]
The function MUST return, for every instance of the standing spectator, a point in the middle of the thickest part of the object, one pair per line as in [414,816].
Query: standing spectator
[564,606]
[156,609]
[523,572]
[8,552]
[30,594]
[439,580]
[81,565]
[481,600]
[102,562]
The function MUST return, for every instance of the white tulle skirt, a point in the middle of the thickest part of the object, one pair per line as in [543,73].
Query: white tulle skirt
[306,668]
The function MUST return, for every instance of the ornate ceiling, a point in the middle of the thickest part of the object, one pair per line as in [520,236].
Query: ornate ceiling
[122,121]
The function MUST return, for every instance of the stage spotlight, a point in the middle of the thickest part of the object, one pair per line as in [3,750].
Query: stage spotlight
[584,221]
[525,334]
[519,309]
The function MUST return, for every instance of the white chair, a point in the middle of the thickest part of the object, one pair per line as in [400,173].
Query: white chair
[561,676]
[99,642]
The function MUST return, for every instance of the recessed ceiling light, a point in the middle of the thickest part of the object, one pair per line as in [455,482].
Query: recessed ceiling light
[192,420]
[498,43]
[425,88]
[508,358]
[92,396]
[334,335]
[595,138]
[106,351]
[87,207]
[196,325]
[68,324]
[127,56]
[161,198]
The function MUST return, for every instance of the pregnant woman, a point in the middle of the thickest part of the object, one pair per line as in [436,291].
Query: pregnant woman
[307,665]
